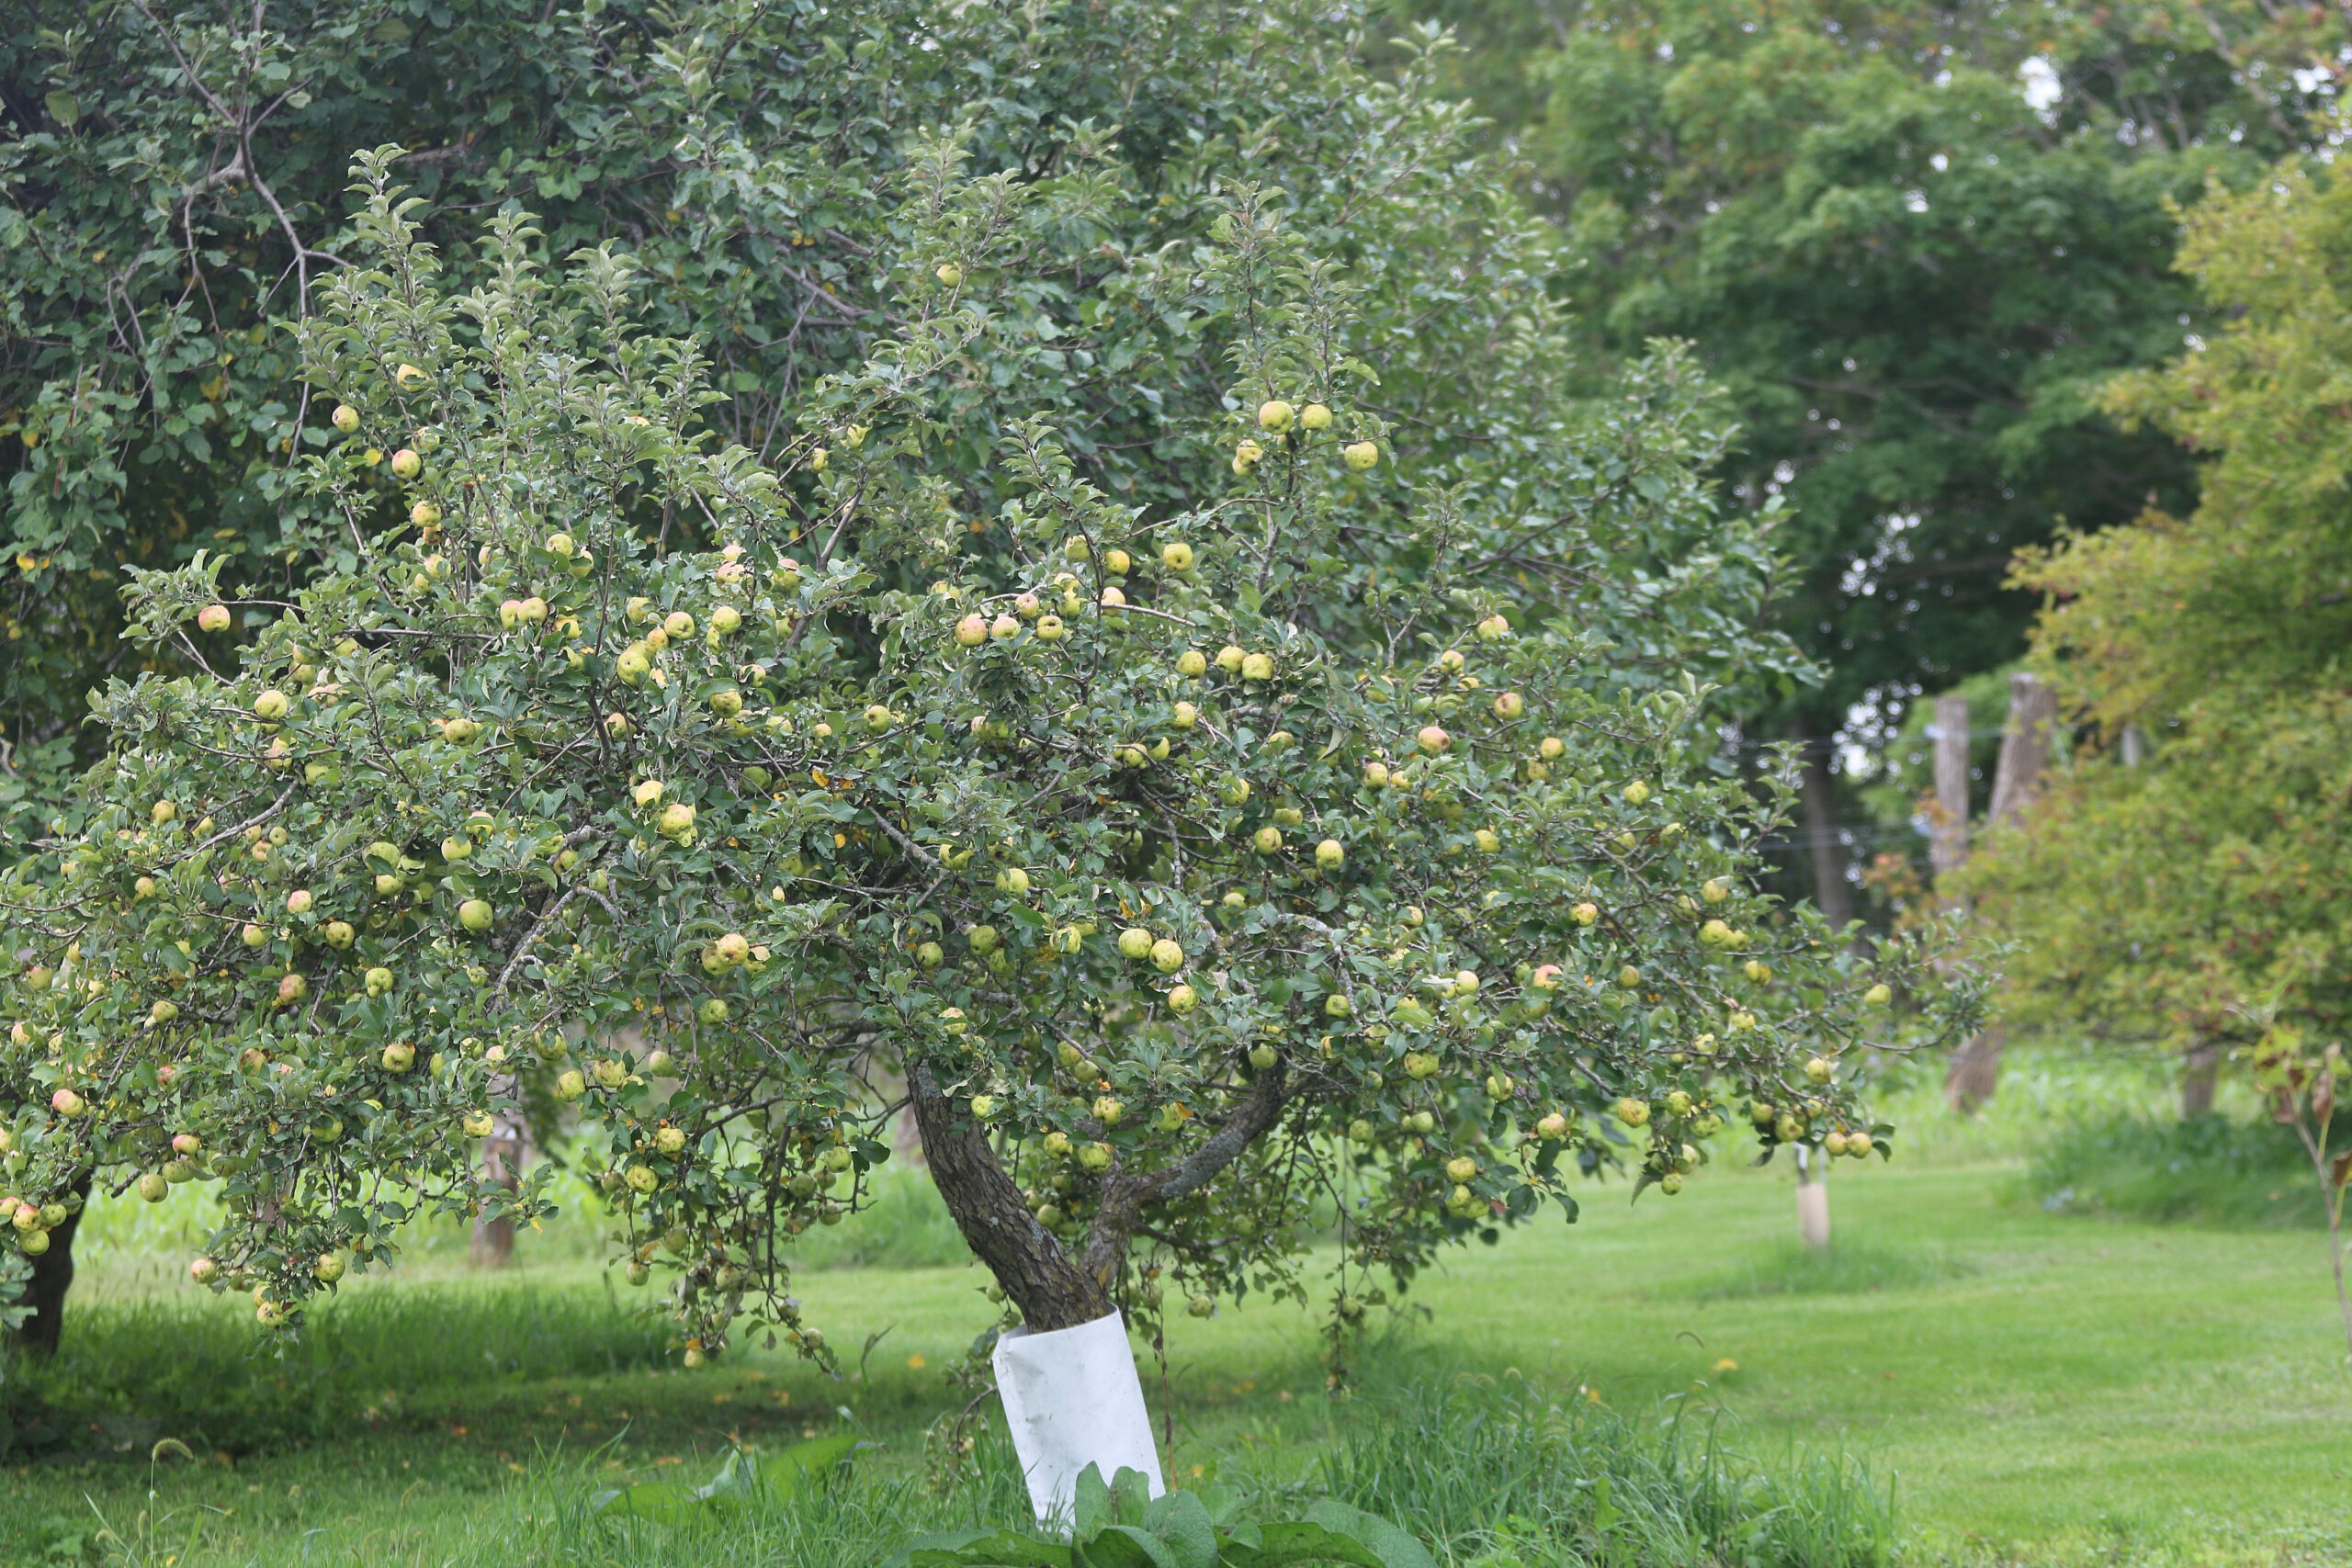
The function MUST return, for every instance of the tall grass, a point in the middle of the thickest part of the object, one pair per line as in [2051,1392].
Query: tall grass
[1505,1474]
[2047,1083]
[2212,1170]
[192,1367]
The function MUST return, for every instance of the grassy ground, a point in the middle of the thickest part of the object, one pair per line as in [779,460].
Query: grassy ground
[2037,1387]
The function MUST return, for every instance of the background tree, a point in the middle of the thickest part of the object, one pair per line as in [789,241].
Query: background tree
[506,782]
[1912,242]
[2192,902]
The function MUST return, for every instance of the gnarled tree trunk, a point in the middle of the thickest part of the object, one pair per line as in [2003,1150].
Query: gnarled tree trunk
[1035,1270]
[52,1277]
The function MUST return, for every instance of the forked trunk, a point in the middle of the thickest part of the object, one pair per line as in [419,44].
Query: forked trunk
[1052,1287]
[1034,1270]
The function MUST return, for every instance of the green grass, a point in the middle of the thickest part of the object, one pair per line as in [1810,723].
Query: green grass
[1790,1267]
[2032,1388]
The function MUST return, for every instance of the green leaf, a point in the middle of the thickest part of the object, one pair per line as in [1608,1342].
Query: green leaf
[1183,1521]
[1126,1545]
[983,1548]
[1392,1547]
[657,1500]
[787,1473]
[1276,1546]
[1090,1507]
[63,108]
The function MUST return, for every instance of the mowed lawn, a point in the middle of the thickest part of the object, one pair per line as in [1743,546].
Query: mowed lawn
[2037,1388]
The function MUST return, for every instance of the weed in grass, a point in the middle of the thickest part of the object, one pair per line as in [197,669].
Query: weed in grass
[1848,1266]
[2211,1170]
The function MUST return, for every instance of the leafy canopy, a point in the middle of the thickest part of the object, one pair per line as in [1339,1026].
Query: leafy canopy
[1912,242]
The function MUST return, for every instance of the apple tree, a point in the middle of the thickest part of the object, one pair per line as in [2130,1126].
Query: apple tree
[1349,838]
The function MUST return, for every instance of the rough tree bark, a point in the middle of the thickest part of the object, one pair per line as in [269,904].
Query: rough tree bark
[1035,1270]
[1976,1068]
[1052,1287]
[52,1277]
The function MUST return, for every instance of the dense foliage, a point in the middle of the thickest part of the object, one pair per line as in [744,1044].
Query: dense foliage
[2196,894]
[1912,241]
[172,198]
[1341,834]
